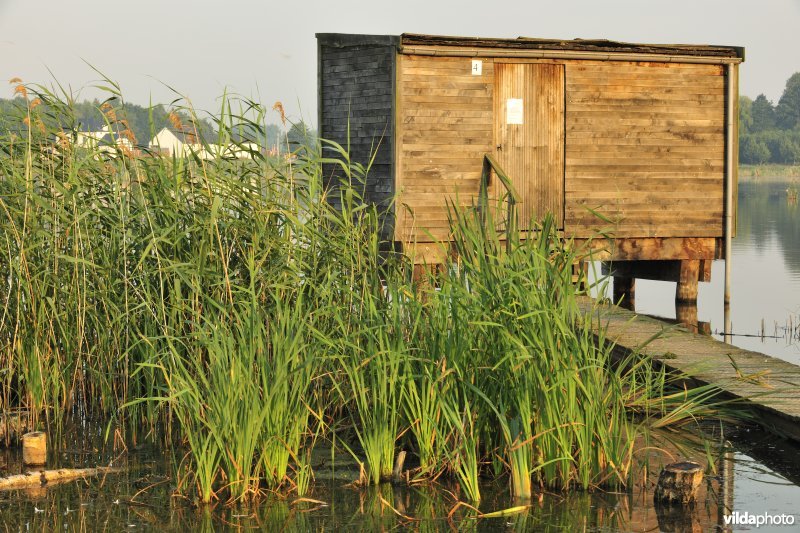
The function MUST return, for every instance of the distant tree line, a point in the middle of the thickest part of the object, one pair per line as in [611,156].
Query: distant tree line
[143,122]
[771,133]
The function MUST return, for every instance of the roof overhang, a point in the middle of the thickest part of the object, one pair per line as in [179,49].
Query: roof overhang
[594,49]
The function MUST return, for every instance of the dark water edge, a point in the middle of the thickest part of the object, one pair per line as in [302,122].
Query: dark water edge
[758,474]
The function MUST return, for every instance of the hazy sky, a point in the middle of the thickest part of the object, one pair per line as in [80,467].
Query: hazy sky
[267,50]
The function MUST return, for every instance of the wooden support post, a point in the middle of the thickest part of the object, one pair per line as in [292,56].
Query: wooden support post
[425,278]
[580,275]
[686,291]
[422,274]
[625,292]
[686,314]
[705,270]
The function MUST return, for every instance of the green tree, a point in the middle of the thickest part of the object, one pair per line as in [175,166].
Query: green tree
[787,152]
[753,151]
[273,135]
[299,137]
[763,114]
[745,114]
[787,112]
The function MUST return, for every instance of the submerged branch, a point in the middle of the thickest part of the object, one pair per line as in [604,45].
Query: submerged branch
[43,477]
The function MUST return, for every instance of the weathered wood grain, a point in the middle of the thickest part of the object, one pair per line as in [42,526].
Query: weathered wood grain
[532,153]
[648,121]
[669,248]
[445,117]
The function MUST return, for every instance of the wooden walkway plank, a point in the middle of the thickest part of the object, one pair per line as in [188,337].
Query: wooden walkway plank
[770,386]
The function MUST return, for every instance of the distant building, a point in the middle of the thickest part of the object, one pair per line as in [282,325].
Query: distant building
[172,142]
[91,139]
[104,140]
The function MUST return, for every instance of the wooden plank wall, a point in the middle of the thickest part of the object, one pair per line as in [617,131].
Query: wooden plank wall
[356,92]
[445,126]
[532,153]
[645,147]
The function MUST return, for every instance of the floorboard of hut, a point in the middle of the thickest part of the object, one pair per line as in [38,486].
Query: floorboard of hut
[769,385]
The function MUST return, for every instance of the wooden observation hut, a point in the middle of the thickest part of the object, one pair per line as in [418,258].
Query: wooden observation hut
[643,135]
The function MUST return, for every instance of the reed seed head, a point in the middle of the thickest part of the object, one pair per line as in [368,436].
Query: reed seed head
[175,120]
[279,108]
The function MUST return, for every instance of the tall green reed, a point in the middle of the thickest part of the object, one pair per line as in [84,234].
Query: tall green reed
[253,309]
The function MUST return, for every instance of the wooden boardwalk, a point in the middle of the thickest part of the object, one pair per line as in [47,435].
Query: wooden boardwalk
[771,386]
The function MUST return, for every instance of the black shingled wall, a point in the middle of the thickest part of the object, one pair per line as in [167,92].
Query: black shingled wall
[356,79]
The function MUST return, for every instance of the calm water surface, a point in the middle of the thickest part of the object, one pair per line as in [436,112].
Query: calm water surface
[142,499]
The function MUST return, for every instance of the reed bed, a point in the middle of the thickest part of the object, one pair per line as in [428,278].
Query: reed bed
[227,308]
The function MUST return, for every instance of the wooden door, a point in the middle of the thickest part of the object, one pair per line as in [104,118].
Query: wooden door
[529,135]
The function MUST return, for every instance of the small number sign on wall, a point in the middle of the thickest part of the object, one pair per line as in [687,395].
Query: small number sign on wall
[477,67]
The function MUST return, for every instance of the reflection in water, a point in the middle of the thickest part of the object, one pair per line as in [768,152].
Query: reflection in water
[386,507]
[765,213]
[765,294]
[142,498]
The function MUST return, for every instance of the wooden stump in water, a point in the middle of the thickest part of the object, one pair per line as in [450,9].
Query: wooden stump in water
[34,448]
[397,472]
[678,483]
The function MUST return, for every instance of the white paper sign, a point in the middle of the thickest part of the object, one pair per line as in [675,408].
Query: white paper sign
[477,67]
[514,112]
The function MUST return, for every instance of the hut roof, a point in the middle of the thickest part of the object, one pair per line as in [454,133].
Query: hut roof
[574,45]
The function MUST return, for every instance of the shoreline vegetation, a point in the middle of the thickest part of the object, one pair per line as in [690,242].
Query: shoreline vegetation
[225,309]
[769,173]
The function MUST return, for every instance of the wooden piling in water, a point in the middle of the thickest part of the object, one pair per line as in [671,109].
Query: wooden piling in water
[625,292]
[678,483]
[34,448]
[686,290]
